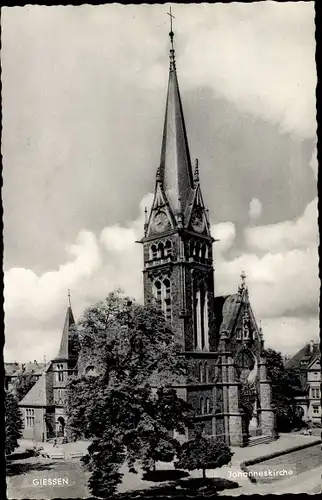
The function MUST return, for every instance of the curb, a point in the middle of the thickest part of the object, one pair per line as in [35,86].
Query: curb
[275,454]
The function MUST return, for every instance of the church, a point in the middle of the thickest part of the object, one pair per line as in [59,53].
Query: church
[228,388]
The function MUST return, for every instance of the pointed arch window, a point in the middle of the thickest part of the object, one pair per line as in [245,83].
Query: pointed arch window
[206,372]
[162,297]
[153,252]
[157,292]
[167,300]
[202,406]
[197,251]
[207,406]
[160,250]
[200,315]
[60,373]
[201,372]
[168,248]
[192,248]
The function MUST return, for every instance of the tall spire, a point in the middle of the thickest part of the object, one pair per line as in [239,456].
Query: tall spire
[65,342]
[175,165]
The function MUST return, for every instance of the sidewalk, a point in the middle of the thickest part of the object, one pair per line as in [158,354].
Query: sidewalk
[307,482]
[78,447]
[284,442]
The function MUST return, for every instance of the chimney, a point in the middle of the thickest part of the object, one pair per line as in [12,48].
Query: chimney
[311,346]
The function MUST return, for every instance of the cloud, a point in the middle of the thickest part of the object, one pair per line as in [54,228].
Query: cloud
[35,305]
[255,209]
[314,162]
[264,60]
[224,233]
[283,283]
[288,235]
[281,264]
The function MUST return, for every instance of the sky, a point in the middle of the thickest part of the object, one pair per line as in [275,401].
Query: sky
[83,99]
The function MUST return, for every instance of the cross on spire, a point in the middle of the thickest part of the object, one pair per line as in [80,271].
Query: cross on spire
[172,60]
[171,31]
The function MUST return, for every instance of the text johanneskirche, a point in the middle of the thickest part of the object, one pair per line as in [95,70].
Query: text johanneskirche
[230,390]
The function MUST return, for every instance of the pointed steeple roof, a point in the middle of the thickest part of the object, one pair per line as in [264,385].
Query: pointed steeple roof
[64,349]
[175,166]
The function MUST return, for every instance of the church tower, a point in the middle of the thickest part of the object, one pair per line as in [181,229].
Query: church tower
[178,260]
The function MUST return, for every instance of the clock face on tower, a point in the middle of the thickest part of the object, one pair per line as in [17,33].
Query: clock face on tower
[160,221]
[198,221]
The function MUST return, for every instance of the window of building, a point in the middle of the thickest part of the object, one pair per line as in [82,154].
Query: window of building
[167,300]
[162,297]
[197,251]
[206,371]
[316,409]
[60,373]
[160,250]
[200,316]
[238,334]
[207,405]
[192,248]
[201,373]
[202,406]
[153,254]
[316,376]
[315,392]
[30,417]
[157,292]
[168,248]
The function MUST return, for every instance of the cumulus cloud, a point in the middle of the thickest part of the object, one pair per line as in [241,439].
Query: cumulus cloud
[314,162]
[272,81]
[224,233]
[283,283]
[281,264]
[255,209]
[288,235]
[35,305]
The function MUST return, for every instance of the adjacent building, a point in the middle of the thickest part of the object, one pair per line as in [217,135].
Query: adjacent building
[43,407]
[307,361]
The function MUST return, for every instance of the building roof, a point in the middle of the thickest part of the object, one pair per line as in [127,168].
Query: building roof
[304,357]
[175,165]
[16,369]
[227,308]
[65,347]
[38,396]
[11,368]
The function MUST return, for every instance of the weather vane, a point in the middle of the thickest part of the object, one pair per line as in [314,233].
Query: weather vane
[69,302]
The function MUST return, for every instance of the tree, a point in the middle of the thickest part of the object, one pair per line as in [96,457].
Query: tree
[13,422]
[24,383]
[286,385]
[130,404]
[203,453]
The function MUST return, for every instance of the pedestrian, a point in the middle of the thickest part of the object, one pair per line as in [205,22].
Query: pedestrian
[55,443]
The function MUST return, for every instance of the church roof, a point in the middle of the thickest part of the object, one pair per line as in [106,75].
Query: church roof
[64,348]
[226,311]
[175,166]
